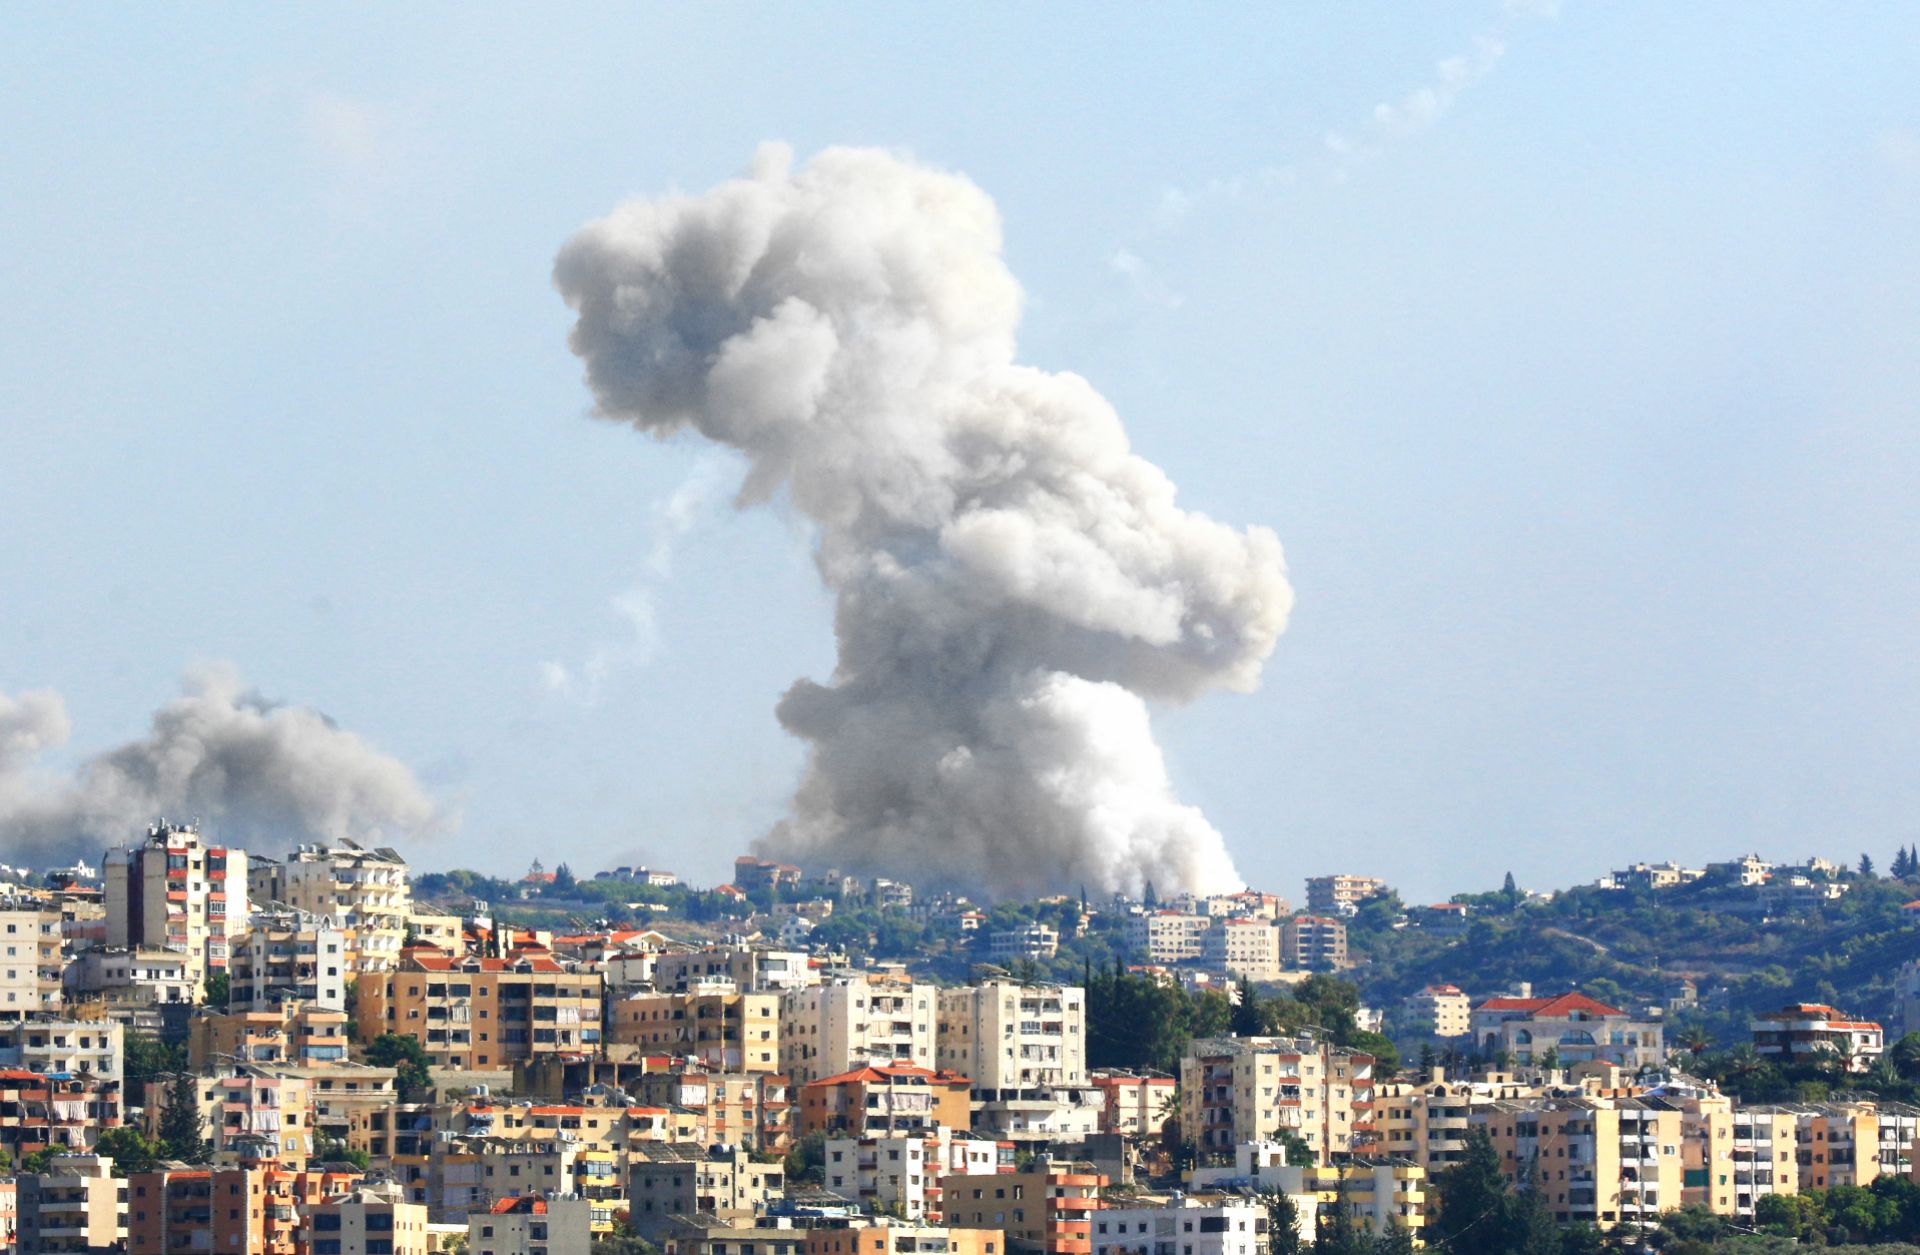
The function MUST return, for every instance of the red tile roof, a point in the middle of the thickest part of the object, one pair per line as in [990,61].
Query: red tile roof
[1550,1008]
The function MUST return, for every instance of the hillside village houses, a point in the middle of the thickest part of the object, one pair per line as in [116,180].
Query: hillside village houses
[620,1077]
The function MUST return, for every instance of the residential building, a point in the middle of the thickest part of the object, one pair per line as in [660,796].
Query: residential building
[1136,1104]
[724,1182]
[1438,1011]
[1381,1194]
[366,893]
[894,1238]
[1248,947]
[713,1024]
[884,1099]
[1028,941]
[1653,876]
[1748,870]
[1574,1027]
[254,1114]
[752,874]
[133,985]
[531,1225]
[1012,1038]
[1047,1208]
[1191,1226]
[373,1219]
[77,1204]
[1341,895]
[30,958]
[756,969]
[288,955]
[1592,1161]
[289,1034]
[55,1112]
[474,1013]
[1249,1089]
[753,1109]
[241,1208]
[1313,942]
[52,1046]
[1165,936]
[850,1021]
[901,1173]
[175,892]
[1805,1032]
[1246,904]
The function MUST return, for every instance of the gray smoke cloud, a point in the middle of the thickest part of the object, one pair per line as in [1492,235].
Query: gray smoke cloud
[256,773]
[1012,583]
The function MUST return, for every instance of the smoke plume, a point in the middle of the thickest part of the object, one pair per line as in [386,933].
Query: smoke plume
[1012,583]
[256,774]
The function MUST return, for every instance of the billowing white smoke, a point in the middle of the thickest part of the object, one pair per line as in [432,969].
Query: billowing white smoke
[1011,580]
[256,773]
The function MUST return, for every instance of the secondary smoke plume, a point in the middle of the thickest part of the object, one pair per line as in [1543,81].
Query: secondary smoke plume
[1012,583]
[256,773]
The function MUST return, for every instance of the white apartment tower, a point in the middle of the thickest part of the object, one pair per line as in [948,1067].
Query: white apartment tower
[366,892]
[175,892]
[1011,1038]
[849,1021]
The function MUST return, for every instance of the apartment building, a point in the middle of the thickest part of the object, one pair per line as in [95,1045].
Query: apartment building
[847,1022]
[726,1183]
[253,1210]
[1167,936]
[289,1034]
[57,1112]
[756,969]
[1574,1027]
[1316,943]
[902,1173]
[1249,1089]
[1341,895]
[52,1046]
[894,1238]
[1134,1104]
[1246,947]
[1047,1208]
[1246,904]
[366,893]
[1735,1156]
[1013,1039]
[30,958]
[77,1204]
[885,1099]
[532,1224]
[287,955]
[751,874]
[753,1109]
[134,985]
[1028,941]
[474,1013]
[1439,1011]
[176,892]
[256,1114]
[1191,1226]
[1380,1194]
[714,1024]
[1592,1161]
[1806,1032]
[371,1219]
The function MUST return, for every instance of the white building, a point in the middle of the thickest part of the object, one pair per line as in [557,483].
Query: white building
[903,1171]
[835,1027]
[754,969]
[1247,947]
[1012,1038]
[289,956]
[92,1047]
[1167,936]
[366,892]
[30,958]
[1028,941]
[1185,1226]
[175,892]
[532,1224]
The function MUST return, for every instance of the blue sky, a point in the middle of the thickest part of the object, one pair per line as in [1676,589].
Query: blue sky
[1572,356]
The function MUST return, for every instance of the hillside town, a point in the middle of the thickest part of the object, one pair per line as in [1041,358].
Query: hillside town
[211,1049]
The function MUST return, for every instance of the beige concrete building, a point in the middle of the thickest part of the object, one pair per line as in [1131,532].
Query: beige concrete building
[76,1205]
[483,1014]
[1593,1161]
[1047,1208]
[369,1219]
[130,984]
[1167,936]
[532,1224]
[1249,1089]
[849,1021]
[288,955]
[730,1185]
[1315,943]
[30,958]
[365,892]
[1341,895]
[1249,948]
[717,1026]
[1013,1039]
[176,892]
[757,969]
[1573,1027]
[1439,1011]
[51,1046]
[1811,1031]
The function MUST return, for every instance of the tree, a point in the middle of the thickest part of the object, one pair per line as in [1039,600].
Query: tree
[563,880]
[333,1150]
[219,990]
[1150,899]
[409,1058]
[1246,1015]
[1283,1225]
[807,1161]
[1511,891]
[131,1150]
[147,1058]
[1866,867]
[623,1240]
[1473,1199]
[183,1129]
[38,1162]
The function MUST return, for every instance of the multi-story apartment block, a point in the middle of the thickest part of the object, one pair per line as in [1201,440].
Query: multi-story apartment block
[847,1022]
[175,892]
[727,1184]
[475,1013]
[1248,947]
[893,1238]
[902,1173]
[30,958]
[1135,1104]
[251,1209]
[885,1098]
[49,1046]
[1249,1089]
[366,893]
[132,985]
[1192,1226]
[373,1219]
[1809,1031]
[752,1109]
[1652,876]
[289,1034]
[752,874]
[1735,1156]
[1246,904]
[756,969]
[1599,1162]
[77,1204]
[1313,942]
[1013,1039]
[715,1025]
[1438,1011]
[58,1112]
[1341,895]
[1028,941]
[288,955]
[1167,936]
[256,1115]
[532,1224]
[1573,1026]
[1048,1208]
[1380,1194]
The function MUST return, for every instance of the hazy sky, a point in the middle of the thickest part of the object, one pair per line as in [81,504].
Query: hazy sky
[1573,356]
